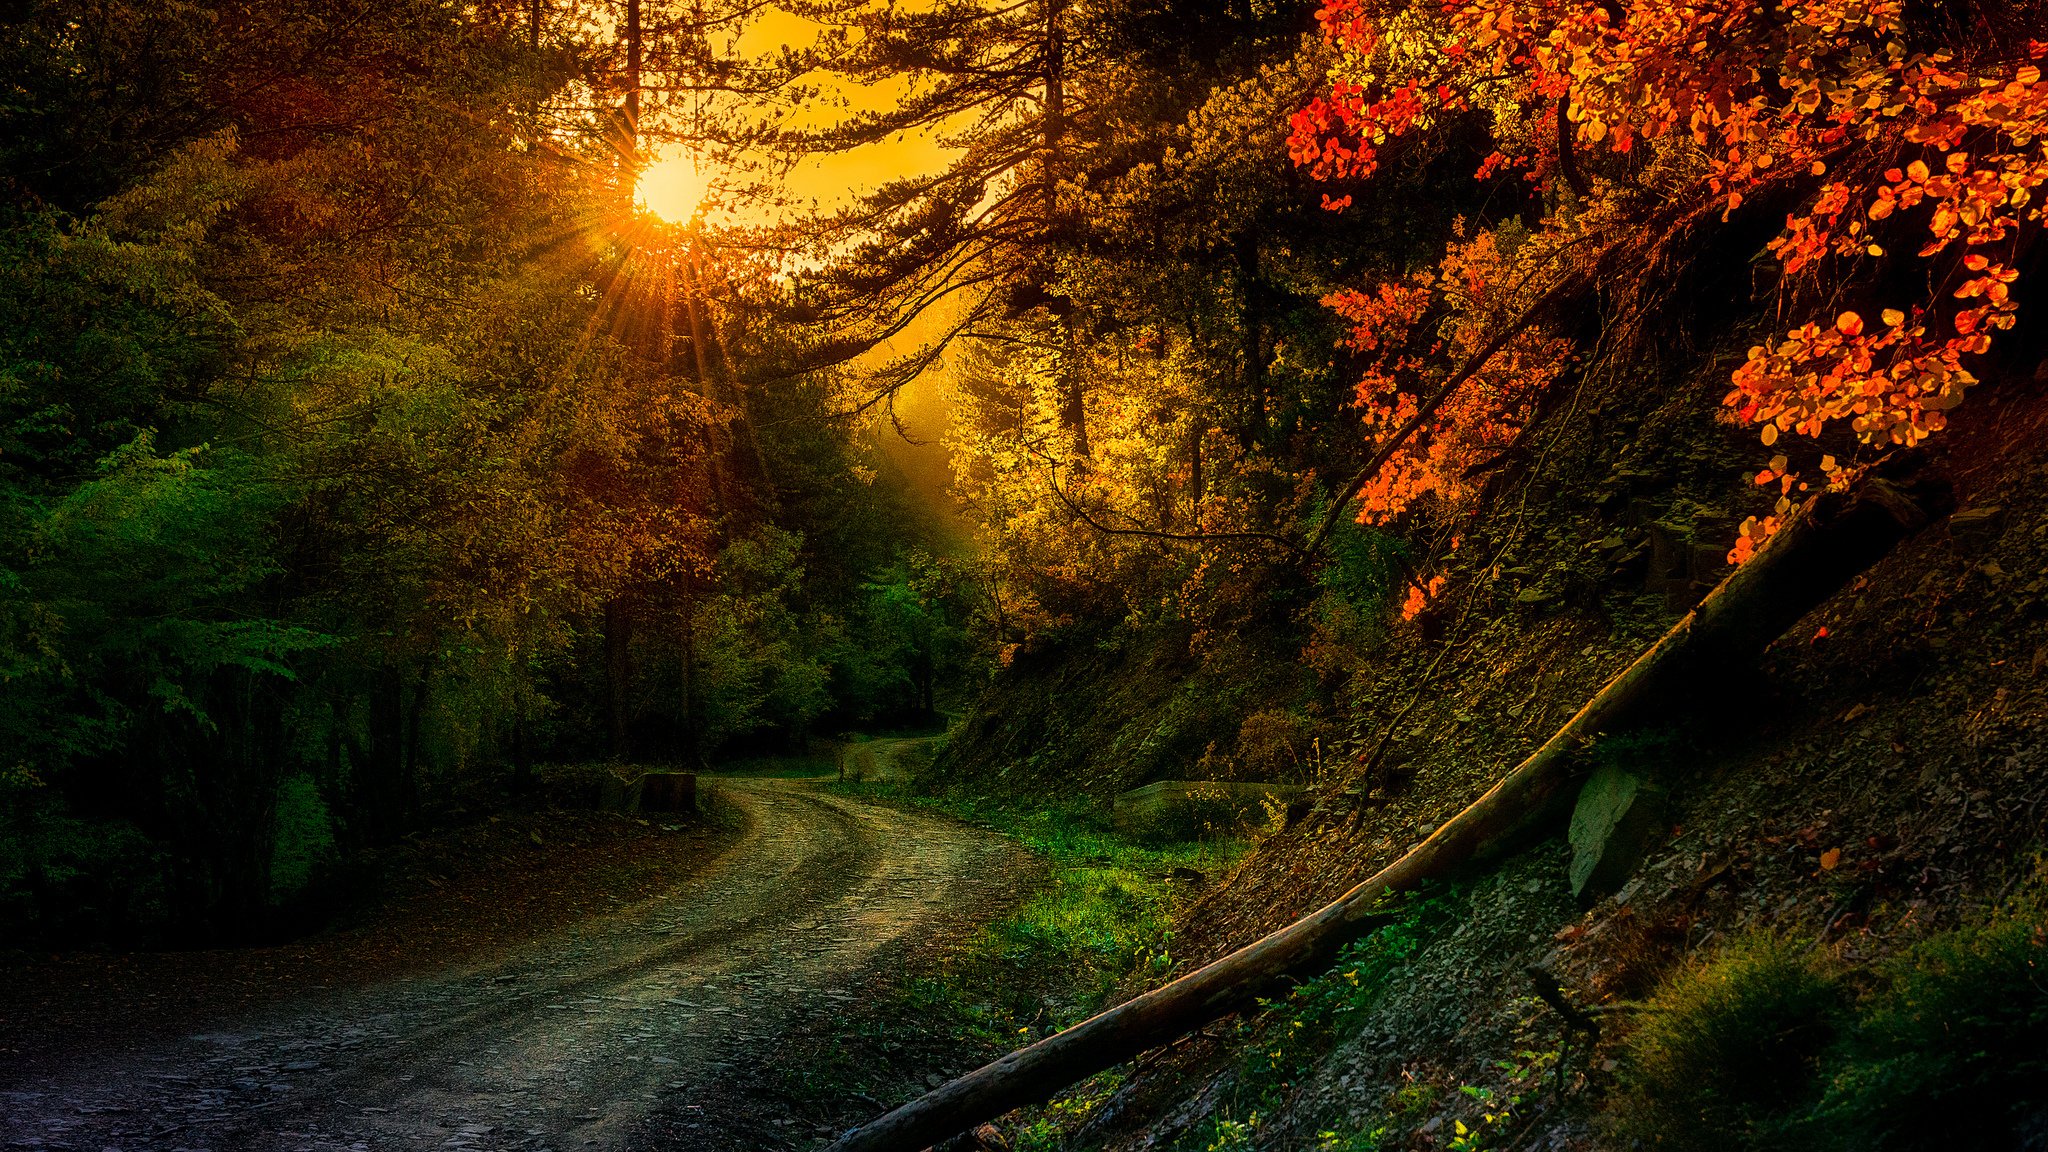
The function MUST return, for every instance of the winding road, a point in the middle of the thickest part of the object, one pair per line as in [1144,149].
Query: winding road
[570,1042]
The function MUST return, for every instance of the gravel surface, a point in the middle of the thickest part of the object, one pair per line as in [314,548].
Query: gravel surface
[569,1042]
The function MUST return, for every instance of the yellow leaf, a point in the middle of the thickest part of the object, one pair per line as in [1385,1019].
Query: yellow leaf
[1893,317]
[1770,435]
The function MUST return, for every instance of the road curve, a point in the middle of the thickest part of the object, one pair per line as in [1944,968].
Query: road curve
[567,1043]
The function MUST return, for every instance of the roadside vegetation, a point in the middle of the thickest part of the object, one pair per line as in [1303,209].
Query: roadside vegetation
[1768,1043]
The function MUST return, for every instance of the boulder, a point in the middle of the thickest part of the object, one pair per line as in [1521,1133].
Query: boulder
[1197,809]
[668,792]
[650,792]
[1616,816]
[1976,529]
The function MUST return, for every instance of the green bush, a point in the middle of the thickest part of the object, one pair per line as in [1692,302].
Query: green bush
[1951,1051]
[1762,1047]
[1727,1050]
[65,881]
[304,844]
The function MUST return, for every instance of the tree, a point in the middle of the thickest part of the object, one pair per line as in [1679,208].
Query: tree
[1653,118]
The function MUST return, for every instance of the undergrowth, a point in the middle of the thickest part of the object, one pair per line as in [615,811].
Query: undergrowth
[1769,1045]
[1292,1035]
[1102,922]
[1098,929]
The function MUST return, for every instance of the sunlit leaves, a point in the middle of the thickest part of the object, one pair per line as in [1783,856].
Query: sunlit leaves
[1480,420]
[1756,95]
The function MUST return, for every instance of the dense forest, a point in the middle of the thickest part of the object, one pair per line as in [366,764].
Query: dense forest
[1344,402]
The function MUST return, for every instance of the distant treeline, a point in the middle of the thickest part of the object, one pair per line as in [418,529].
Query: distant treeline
[360,447]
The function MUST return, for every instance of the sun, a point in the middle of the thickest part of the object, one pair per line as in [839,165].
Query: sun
[673,188]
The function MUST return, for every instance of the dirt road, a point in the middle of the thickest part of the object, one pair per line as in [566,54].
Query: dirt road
[570,1042]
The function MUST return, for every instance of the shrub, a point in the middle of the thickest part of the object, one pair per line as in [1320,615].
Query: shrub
[1759,1047]
[1726,1052]
[1951,1051]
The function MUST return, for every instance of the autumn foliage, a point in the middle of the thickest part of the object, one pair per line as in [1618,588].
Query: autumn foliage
[1479,422]
[1884,143]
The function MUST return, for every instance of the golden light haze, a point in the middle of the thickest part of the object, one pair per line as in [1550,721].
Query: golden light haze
[673,186]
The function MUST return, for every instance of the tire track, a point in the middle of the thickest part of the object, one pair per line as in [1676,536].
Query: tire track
[562,1045]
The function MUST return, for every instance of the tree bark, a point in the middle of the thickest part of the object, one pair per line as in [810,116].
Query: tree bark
[1834,537]
[633,79]
[1251,341]
[690,748]
[618,672]
[1073,412]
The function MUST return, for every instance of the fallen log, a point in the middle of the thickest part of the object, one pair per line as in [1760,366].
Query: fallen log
[1825,544]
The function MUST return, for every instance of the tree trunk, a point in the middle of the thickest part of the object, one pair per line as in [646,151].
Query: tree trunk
[633,80]
[1073,396]
[1054,125]
[618,673]
[1251,341]
[691,746]
[522,753]
[1833,538]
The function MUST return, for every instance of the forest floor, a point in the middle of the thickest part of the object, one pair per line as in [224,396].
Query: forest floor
[642,1014]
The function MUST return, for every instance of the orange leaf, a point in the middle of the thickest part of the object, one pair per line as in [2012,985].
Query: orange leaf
[1829,859]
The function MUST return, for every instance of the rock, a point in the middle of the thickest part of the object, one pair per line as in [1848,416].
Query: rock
[1975,529]
[1190,809]
[1670,558]
[668,792]
[650,792]
[1616,815]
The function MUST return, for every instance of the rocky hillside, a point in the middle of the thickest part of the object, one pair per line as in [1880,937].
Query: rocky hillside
[1871,796]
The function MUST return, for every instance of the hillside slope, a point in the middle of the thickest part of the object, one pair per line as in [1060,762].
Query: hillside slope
[1879,782]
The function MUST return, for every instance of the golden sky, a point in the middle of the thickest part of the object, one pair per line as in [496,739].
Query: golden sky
[674,184]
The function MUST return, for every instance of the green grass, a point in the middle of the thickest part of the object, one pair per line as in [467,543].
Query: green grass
[1729,1045]
[1100,927]
[1103,919]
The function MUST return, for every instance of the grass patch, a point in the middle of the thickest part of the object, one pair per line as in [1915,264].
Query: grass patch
[1098,929]
[1952,1049]
[1761,1046]
[1729,1045]
[1102,922]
